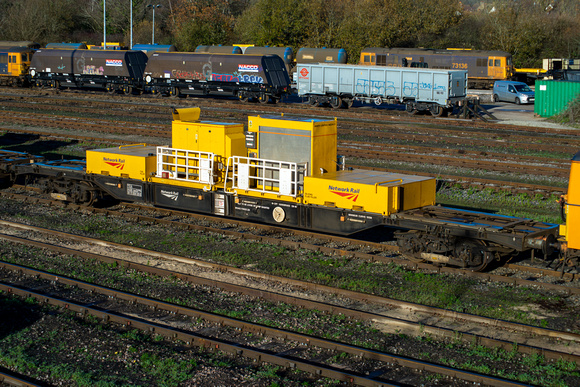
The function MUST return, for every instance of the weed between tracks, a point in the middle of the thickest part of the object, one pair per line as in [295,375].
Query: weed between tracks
[535,207]
[462,294]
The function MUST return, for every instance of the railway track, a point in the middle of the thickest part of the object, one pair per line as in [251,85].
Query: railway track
[309,340]
[309,364]
[529,339]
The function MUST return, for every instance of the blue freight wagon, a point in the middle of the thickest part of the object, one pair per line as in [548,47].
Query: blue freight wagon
[420,89]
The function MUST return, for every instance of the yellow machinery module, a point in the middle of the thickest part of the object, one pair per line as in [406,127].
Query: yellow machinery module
[127,161]
[294,139]
[369,191]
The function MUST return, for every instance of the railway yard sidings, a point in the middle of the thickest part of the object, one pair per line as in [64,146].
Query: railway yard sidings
[515,323]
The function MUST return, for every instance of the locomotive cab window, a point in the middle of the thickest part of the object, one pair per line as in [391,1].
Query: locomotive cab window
[367,59]
[497,63]
[381,60]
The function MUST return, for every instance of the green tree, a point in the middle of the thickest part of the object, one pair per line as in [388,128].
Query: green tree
[206,22]
[40,20]
[273,23]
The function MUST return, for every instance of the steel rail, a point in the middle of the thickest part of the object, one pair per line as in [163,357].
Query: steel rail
[238,349]
[9,378]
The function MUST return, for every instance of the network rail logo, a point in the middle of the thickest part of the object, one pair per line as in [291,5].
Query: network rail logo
[347,193]
[116,163]
[173,195]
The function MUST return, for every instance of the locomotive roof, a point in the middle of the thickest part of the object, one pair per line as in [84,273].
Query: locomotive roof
[15,49]
[442,51]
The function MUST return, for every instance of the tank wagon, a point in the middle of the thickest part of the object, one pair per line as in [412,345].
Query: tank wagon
[321,55]
[263,78]
[283,171]
[15,60]
[149,49]
[219,50]
[283,52]
[113,70]
[71,46]
[436,91]
[484,67]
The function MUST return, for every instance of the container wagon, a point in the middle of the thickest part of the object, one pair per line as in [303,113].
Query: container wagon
[282,170]
[113,70]
[263,78]
[436,91]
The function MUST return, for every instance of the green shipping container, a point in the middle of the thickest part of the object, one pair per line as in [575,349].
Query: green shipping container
[554,96]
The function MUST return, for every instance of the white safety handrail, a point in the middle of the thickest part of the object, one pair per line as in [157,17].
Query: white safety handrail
[185,165]
[263,175]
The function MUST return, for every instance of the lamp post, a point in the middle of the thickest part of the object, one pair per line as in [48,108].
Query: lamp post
[153,33]
[104,24]
[131,27]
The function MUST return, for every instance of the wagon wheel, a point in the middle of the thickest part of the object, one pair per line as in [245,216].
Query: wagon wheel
[264,98]
[84,194]
[410,108]
[127,90]
[411,246]
[174,92]
[436,110]
[472,253]
[313,101]
[110,88]
[335,102]
[378,100]
[347,102]
[242,96]
[55,84]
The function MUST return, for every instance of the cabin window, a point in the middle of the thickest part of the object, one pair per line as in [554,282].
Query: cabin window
[366,59]
[381,60]
[497,63]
